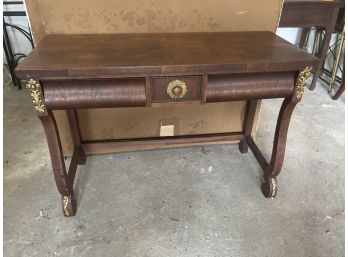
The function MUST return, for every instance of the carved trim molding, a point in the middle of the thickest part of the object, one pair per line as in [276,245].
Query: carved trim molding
[36,93]
[301,81]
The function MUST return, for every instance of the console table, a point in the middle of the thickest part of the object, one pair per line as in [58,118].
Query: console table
[69,72]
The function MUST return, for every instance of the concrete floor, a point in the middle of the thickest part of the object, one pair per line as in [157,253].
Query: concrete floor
[191,202]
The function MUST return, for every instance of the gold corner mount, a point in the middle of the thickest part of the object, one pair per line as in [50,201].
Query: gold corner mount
[36,93]
[301,81]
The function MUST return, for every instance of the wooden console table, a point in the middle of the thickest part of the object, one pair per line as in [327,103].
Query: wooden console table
[69,72]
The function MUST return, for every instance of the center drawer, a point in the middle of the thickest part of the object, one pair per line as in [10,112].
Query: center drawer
[176,89]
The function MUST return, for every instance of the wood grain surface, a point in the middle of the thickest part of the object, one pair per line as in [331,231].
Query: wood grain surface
[159,89]
[223,88]
[132,55]
[94,93]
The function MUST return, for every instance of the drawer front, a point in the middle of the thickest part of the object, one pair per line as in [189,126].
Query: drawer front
[176,89]
[94,93]
[237,87]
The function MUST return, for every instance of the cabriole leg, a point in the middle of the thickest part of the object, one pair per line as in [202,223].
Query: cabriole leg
[58,165]
[272,169]
[269,188]
[48,121]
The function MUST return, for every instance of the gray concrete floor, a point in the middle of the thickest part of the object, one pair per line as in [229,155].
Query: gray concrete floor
[192,202]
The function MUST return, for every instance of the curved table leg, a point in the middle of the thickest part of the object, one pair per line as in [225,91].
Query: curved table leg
[63,181]
[272,169]
[60,175]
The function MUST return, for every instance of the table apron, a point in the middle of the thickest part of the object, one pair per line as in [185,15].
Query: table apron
[136,92]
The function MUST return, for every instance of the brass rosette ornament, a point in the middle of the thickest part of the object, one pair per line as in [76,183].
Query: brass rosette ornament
[176,89]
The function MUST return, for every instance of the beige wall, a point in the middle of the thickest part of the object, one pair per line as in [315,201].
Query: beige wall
[126,16]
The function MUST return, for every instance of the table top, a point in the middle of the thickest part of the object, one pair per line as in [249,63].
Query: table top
[100,55]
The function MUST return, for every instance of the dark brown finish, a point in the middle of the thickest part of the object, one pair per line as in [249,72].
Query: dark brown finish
[141,55]
[279,141]
[73,165]
[75,135]
[55,150]
[272,169]
[307,14]
[82,71]
[204,88]
[223,88]
[312,13]
[100,93]
[159,89]
[60,175]
[164,141]
[148,91]
[248,123]
[304,37]
[256,151]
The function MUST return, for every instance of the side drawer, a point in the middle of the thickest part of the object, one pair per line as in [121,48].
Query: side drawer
[236,87]
[94,93]
[176,89]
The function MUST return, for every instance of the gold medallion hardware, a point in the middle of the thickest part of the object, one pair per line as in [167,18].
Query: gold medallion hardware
[65,205]
[176,89]
[301,81]
[35,91]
